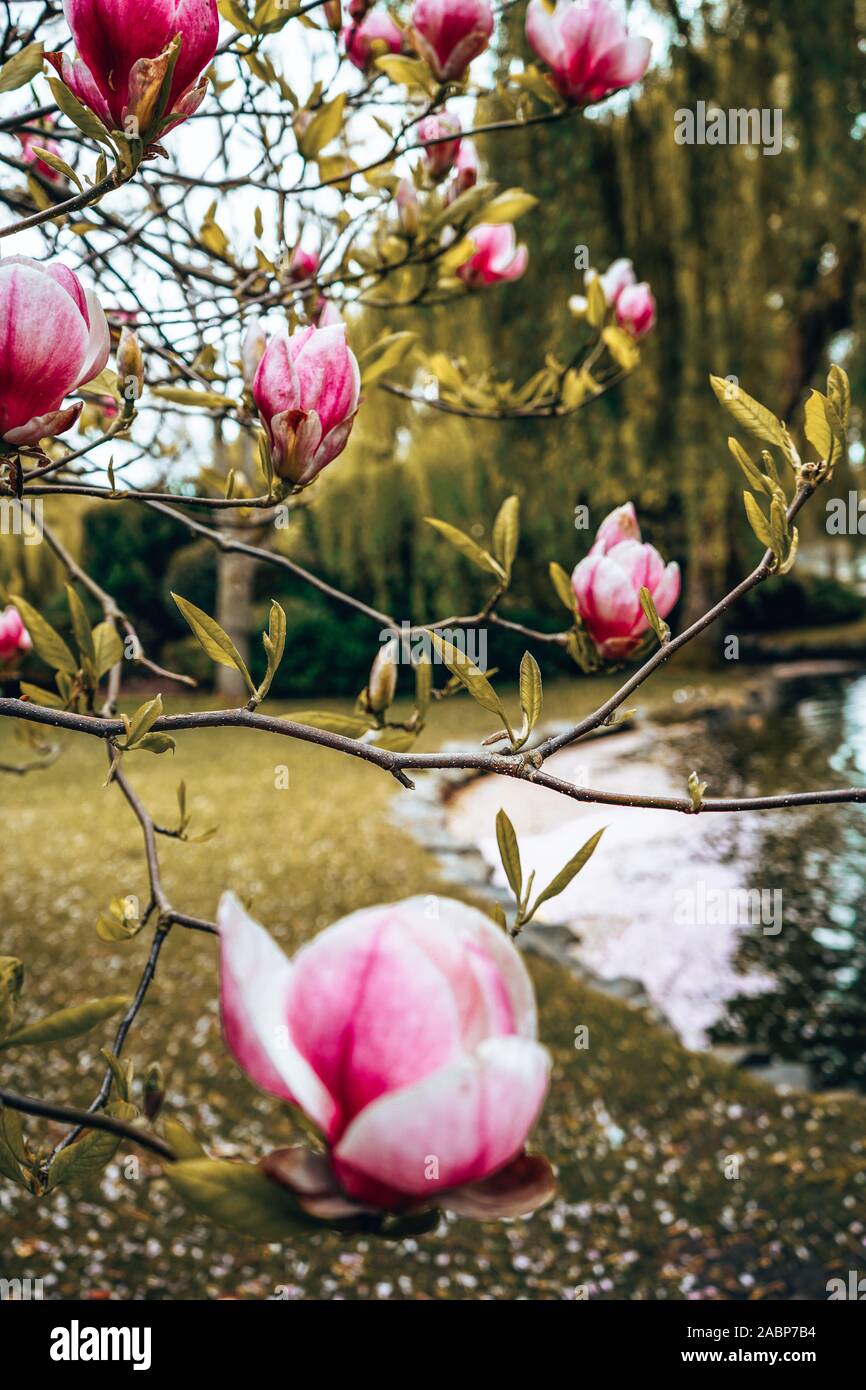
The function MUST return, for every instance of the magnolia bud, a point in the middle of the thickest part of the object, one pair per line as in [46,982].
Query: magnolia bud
[154,1090]
[333,11]
[130,366]
[407,207]
[383,678]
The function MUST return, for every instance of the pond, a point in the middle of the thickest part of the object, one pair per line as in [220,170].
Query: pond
[745,931]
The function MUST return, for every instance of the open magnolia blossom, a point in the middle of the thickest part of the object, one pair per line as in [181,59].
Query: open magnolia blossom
[448,34]
[497,258]
[14,637]
[307,388]
[607,584]
[587,48]
[127,52]
[53,337]
[372,38]
[410,1042]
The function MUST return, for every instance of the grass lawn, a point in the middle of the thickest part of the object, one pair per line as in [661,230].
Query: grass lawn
[647,1137]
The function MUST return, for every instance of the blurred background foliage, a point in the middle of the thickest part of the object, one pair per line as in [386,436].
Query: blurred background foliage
[756,262]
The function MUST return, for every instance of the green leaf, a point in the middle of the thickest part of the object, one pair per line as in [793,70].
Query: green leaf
[411,72]
[274,641]
[384,355]
[509,853]
[12,1153]
[39,696]
[20,69]
[506,533]
[596,303]
[236,1195]
[185,395]
[49,645]
[122,1074]
[508,206]
[568,872]
[79,115]
[86,1158]
[469,676]
[423,684]
[395,740]
[58,165]
[659,627]
[67,1023]
[562,584]
[751,469]
[178,1137]
[324,127]
[467,547]
[531,697]
[108,648]
[81,626]
[816,428]
[155,743]
[748,412]
[218,645]
[349,725]
[11,981]
[138,724]
[839,392]
[121,922]
[621,346]
[758,521]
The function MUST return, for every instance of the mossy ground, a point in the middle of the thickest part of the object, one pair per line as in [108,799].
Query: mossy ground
[646,1136]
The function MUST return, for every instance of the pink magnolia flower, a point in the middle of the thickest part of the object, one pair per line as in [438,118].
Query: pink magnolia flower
[27,140]
[586,47]
[636,309]
[448,34]
[607,584]
[439,153]
[124,54]
[303,264]
[466,170]
[14,637]
[410,1043]
[53,337]
[307,389]
[377,29]
[497,257]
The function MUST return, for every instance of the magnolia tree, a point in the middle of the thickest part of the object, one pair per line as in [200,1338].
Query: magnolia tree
[204,204]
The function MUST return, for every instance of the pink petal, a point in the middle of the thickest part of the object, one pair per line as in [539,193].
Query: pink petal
[255,983]
[370,1010]
[458,1126]
[667,590]
[99,341]
[43,339]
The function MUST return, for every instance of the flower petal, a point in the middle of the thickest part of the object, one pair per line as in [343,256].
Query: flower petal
[457,1126]
[255,981]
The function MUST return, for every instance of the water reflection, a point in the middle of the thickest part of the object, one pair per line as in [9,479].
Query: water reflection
[817,1010]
